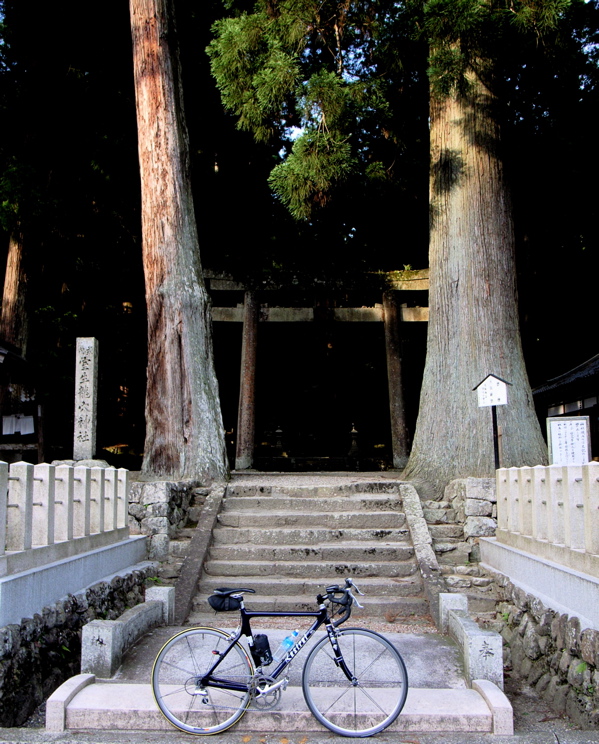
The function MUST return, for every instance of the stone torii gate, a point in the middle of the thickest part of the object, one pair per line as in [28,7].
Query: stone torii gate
[389,311]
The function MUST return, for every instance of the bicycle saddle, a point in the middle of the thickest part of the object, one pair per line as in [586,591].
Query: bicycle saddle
[225,592]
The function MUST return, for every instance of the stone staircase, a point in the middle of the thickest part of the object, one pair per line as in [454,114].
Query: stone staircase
[289,542]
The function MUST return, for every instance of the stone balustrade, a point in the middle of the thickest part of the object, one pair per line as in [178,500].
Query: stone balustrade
[552,512]
[49,512]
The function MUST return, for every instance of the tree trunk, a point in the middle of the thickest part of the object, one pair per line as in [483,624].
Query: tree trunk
[13,322]
[473,327]
[184,431]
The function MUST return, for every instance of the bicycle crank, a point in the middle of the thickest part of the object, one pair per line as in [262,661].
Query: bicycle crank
[267,692]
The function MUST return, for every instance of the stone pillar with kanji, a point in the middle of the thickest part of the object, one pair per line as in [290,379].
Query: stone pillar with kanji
[86,399]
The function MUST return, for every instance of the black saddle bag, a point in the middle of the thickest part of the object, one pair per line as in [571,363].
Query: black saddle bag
[220,603]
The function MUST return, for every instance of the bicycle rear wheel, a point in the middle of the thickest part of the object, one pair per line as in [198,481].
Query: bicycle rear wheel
[369,702]
[178,669]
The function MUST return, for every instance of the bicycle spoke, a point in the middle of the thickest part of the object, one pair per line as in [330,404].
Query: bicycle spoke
[375,701]
[180,667]
[372,700]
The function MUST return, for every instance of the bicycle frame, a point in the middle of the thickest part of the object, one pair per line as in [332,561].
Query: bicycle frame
[321,617]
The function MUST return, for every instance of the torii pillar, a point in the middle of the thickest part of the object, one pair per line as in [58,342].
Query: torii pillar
[246,416]
[399,430]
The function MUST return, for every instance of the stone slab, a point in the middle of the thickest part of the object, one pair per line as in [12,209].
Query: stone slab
[24,560]
[482,649]
[132,707]
[431,659]
[500,706]
[165,595]
[86,399]
[447,602]
[197,553]
[275,585]
[578,560]
[310,569]
[298,518]
[103,642]
[23,594]
[307,536]
[561,588]
[57,703]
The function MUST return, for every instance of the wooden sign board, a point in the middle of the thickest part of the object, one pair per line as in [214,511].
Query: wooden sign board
[569,440]
[492,391]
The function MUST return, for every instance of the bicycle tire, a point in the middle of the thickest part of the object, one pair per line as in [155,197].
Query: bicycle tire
[368,704]
[175,676]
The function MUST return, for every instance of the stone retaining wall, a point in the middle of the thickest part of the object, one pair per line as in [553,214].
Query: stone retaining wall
[467,512]
[42,652]
[545,648]
[159,509]
[550,652]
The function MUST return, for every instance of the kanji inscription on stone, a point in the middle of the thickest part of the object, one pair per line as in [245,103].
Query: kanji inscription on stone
[86,399]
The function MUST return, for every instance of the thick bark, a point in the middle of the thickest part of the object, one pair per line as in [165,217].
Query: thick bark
[473,327]
[184,431]
[13,322]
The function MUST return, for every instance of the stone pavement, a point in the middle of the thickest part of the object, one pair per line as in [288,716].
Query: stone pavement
[41,736]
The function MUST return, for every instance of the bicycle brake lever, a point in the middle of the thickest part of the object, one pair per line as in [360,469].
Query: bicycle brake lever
[350,582]
[353,599]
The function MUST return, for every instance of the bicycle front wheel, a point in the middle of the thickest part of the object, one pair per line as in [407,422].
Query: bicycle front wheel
[176,676]
[372,699]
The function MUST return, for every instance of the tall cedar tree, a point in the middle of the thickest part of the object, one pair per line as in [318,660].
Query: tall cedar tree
[474,325]
[329,69]
[184,431]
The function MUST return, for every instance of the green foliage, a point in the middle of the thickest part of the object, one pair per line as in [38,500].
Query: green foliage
[342,70]
[255,62]
[311,68]
[317,160]
[471,35]
[447,71]
[539,17]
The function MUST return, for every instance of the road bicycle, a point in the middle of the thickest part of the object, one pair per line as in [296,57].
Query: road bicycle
[354,680]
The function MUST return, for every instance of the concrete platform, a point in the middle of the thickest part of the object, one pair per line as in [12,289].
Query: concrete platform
[109,706]
[438,699]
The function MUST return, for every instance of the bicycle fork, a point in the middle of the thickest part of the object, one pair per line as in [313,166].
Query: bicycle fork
[338,657]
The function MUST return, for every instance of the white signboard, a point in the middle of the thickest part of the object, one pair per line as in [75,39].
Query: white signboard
[492,392]
[569,440]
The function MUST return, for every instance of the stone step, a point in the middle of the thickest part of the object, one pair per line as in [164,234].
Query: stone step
[329,571]
[339,553]
[330,519]
[355,502]
[373,606]
[326,491]
[125,707]
[276,585]
[282,536]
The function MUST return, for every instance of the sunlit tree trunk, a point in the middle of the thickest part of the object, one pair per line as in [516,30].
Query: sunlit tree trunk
[473,328]
[13,321]
[184,431]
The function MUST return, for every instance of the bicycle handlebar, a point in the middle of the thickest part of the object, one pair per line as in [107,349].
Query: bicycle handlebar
[347,600]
